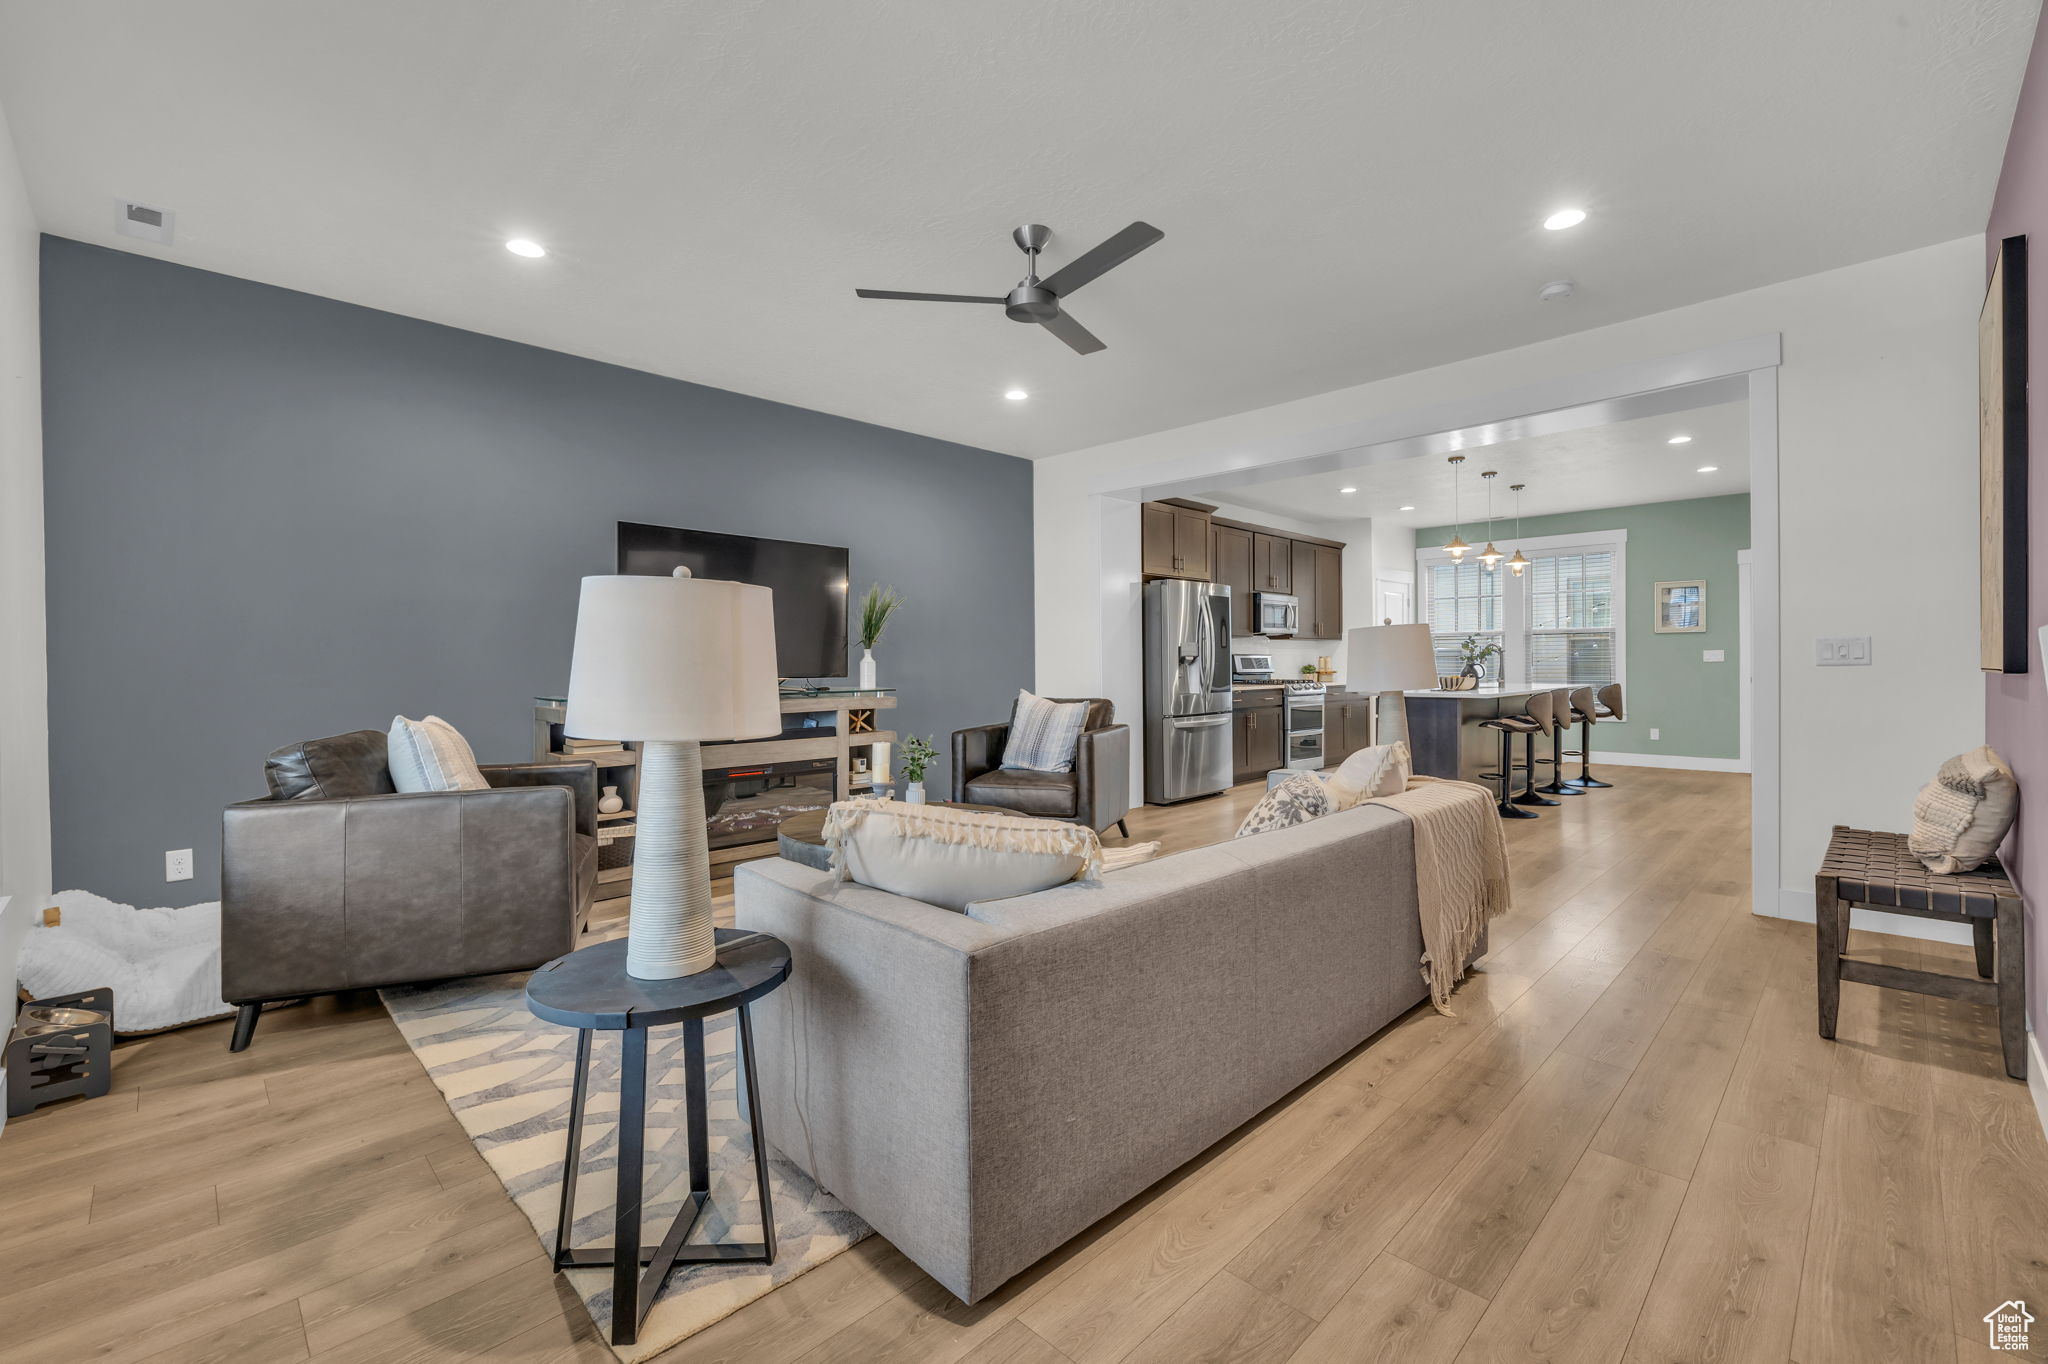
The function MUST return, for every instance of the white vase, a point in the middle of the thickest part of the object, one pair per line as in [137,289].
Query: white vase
[611,802]
[867,669]
[913,793]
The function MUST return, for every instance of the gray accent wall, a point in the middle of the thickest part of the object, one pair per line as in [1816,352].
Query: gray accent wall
[272,515]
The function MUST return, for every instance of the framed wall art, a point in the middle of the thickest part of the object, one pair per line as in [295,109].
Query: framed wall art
[1681,607]
[2002,463]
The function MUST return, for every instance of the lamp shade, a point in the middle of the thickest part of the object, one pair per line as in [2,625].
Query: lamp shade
[673,659]
[1390,658]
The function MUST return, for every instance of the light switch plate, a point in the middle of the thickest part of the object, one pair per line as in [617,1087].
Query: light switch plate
[1713,655]
[1848,651]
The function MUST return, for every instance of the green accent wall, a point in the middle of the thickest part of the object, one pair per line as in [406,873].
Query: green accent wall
[1696,706]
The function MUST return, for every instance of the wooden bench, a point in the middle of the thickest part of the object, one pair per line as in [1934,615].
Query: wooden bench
[1874,870]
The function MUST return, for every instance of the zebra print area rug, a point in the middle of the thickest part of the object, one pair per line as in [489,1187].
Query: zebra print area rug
[506,1075]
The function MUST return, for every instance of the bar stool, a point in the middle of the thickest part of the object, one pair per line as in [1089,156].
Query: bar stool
[1591,709]
[1540,717]
[1509,726]
[1560,723]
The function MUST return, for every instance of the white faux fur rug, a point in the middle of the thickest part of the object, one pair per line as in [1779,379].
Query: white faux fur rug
[163,964]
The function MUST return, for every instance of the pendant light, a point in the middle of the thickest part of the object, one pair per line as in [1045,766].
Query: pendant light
[1456,548]
[1490,556]
[1517,565]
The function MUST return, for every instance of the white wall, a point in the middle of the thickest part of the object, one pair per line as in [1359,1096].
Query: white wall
[24,730]
[1876,423]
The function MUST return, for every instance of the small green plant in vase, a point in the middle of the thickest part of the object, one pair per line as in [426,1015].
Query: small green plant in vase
[918,754]
[876,606]
[1475,655]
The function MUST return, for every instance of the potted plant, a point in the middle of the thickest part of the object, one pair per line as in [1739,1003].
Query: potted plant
[1475,655]
[876,607]
[918,754]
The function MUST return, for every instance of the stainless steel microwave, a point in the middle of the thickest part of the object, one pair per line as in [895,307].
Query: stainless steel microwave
[1275,613]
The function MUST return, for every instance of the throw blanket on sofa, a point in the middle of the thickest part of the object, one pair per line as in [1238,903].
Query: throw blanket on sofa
[1461,873]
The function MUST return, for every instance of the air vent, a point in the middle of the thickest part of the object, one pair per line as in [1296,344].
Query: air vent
[140,220]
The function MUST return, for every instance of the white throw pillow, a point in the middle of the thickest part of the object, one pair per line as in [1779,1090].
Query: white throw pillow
[431,755]
[1043,733]
[1299,799]
[1962,816]
[951,858]
[1382,770]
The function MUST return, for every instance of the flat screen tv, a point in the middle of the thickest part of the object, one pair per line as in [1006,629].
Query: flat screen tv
[809,582]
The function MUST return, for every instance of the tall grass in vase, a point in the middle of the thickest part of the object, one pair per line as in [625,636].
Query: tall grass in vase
[876,606]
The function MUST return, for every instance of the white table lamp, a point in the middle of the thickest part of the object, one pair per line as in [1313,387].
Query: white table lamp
[668,662]
[1391,658]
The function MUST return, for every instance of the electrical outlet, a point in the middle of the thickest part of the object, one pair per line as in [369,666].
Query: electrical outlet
[1656,734]
[178,864]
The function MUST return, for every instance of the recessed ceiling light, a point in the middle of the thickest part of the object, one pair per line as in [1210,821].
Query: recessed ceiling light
[1565,217]
[1407,509]
[1016,395]
[520,246]
[1707,469]
[1347,490]
[1679,440]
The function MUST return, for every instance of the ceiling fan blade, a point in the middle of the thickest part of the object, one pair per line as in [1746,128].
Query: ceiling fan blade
[1073,333]
[1101,259]
[931,298]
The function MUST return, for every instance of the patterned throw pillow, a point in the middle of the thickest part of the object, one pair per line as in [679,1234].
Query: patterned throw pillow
[1378,771]
[1962,816]
[1043,733]
[1299,799]
[432,755]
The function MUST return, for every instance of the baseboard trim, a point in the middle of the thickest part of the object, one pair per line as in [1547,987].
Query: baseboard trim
[2037,1079]
[1665,760]
[1797,905]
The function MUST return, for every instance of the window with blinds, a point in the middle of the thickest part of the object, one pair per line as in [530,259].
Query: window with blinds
[1462,601]
[1569,638]
[1561,624]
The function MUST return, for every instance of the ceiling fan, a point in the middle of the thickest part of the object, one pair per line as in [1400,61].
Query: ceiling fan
[1038,300]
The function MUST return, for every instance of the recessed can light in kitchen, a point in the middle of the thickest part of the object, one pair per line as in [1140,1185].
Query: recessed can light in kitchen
[1564,218]
[520,246]
[1679,440]
[1016,395]
[1708,469]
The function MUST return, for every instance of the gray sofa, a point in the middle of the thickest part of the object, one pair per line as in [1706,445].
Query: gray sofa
[981,1087]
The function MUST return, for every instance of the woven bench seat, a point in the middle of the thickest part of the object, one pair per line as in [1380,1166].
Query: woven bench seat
[1873,869]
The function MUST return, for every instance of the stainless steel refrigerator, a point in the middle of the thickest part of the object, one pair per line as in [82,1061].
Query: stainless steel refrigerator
[1187,690]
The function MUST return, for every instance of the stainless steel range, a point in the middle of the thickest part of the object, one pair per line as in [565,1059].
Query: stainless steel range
[1301,709]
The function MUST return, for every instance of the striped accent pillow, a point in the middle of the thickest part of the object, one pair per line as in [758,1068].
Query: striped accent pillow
[1043,733]
[432,755]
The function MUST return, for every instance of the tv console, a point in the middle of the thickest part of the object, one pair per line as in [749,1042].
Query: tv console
[852,733]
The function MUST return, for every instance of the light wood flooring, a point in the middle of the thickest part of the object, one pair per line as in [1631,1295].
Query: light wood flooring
[1629,1145]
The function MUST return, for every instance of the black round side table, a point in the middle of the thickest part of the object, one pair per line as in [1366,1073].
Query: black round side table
[590,991]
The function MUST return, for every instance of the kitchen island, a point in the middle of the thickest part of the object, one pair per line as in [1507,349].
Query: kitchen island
[1447,736]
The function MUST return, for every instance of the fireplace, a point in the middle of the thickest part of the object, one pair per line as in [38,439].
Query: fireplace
[742,805]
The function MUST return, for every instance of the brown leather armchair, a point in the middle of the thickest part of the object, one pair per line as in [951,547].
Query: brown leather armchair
[1097,792]
[337,881]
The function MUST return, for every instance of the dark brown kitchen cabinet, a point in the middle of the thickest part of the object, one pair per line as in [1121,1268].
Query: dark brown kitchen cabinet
[1326,621]
[1230,560]
[1347,726]
[1258,744]
[1301,571]
[1272,563]
[1175,541]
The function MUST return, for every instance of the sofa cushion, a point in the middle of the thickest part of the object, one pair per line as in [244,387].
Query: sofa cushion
[1299,799]
[950,858]
[342,767]
[1962,816]
[1381,770]
[1052,794]
[1043,733]
[432,755]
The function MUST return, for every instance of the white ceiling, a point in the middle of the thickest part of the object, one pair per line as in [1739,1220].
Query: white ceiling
[1348,190]
[1622,464]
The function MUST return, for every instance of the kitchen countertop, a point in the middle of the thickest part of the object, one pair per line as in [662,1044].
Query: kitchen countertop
[1516,689]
